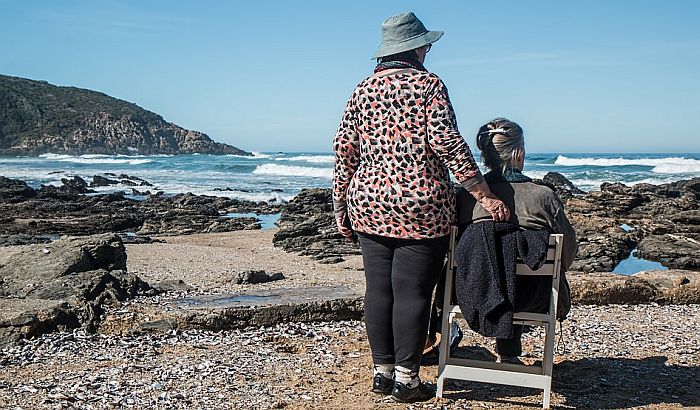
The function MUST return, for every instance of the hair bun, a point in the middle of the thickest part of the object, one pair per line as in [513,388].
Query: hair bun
[484,137]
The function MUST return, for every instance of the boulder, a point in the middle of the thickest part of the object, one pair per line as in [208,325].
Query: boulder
[63,285]
[98,181]
[671,250]
[307,226]
[14,190]
[562,186]
[172,285]
[76,185]
[255,276]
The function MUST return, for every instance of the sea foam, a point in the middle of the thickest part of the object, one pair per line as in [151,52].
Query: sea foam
[98,159]
[313,159]
[293,170]
[667,165]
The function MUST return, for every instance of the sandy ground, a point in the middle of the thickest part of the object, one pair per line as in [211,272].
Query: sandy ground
[208,262]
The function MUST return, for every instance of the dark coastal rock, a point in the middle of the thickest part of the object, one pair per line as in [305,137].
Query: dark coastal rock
[124,179]
[14,190]
[130,239]
[665,287]
[599,252]
[136,181]
[255,276]
[562,186]
[38,118]
[63,285]
[76,184]
[666,221]
[98,181]
[307,226]
[62,210]
[671,250]
[22,239]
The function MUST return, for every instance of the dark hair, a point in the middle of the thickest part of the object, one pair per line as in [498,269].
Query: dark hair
[409,55]
[499,148]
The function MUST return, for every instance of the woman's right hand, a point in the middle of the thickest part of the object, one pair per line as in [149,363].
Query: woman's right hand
[340,217]
[498,209]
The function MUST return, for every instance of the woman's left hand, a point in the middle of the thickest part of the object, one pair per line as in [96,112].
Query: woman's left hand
[498,209]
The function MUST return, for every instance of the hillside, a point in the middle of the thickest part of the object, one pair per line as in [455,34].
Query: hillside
[37,117]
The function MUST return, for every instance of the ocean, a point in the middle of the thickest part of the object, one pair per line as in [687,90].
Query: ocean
[280,176]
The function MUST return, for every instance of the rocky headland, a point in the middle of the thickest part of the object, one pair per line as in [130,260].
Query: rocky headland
[37,118]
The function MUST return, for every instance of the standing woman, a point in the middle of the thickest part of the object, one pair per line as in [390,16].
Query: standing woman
[391,185]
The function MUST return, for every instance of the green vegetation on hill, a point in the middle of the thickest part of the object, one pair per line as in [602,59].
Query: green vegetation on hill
[37,117]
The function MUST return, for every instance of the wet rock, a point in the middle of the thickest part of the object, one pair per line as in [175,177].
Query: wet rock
[99,181]
[132,180]
[562,186]
[255,276]
[76,185]
[15,190]
[600,251]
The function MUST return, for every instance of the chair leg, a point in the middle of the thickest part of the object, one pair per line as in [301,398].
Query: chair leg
[444,352]
[547,394]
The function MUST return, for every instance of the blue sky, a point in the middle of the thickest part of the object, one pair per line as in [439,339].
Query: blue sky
[593,76]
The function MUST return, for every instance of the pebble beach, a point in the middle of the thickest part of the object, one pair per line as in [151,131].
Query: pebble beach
[615,356]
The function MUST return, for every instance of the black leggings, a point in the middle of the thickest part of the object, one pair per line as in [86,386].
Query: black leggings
[401,275]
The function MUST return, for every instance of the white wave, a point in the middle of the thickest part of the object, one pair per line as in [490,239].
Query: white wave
[251,196]
[313,159]
[106,161]
[535,174]
[256,155]
[98,159]
[291,170]
[674,168]
[55,156]
[594,183]
[667,165]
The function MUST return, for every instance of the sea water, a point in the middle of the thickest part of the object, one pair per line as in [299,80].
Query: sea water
[280,176]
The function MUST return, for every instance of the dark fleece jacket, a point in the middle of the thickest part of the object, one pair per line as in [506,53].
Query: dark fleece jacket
[485,284]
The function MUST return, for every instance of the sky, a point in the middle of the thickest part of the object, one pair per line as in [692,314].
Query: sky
[586,76]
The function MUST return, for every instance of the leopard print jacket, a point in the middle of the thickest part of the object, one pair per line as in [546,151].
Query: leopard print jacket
[397,137]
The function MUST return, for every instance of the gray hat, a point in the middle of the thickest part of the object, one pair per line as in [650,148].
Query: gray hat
[404,32]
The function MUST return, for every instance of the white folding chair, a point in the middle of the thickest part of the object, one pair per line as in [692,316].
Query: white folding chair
[539,377]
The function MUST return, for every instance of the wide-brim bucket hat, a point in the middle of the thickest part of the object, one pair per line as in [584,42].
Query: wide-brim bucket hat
[404,32]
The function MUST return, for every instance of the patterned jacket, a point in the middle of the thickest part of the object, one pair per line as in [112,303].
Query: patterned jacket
[397,137]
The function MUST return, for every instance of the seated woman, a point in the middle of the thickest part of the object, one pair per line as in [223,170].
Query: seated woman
[533,206]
